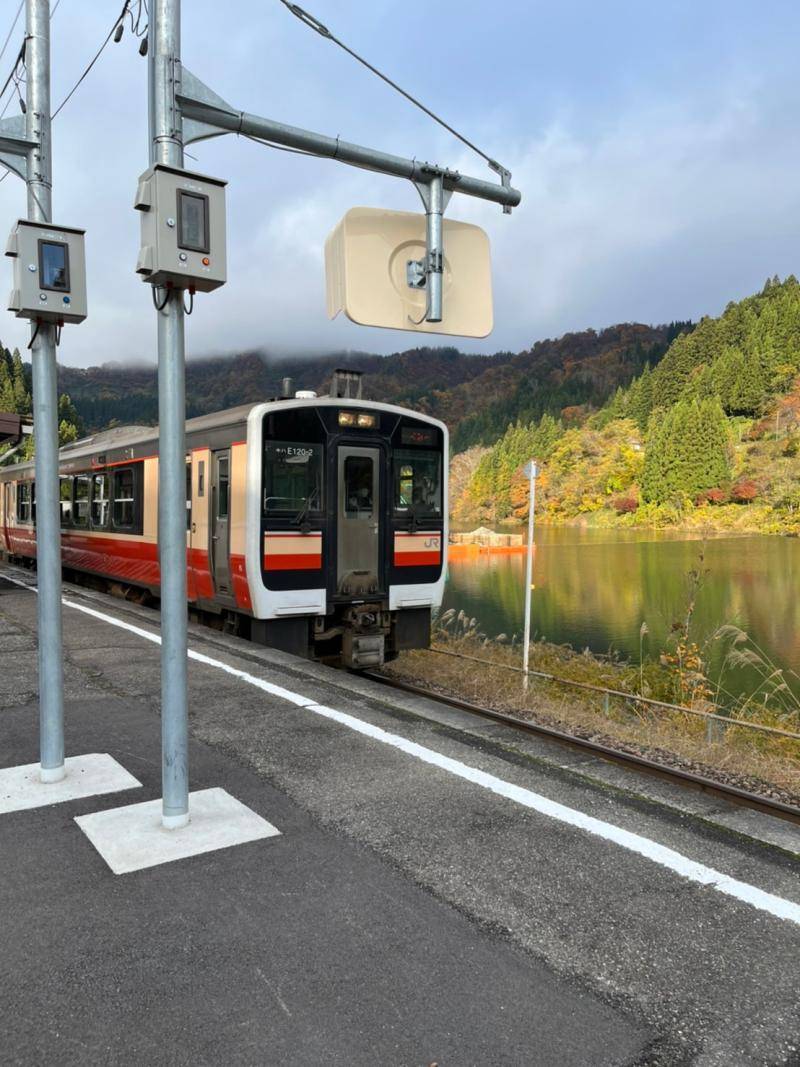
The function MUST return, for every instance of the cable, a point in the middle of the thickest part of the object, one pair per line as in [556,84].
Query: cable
[35,333]
[12,76]
[55,8]
[163,304]
[190,308]
[314,23]
[13,25]
[279,147]
[97,55]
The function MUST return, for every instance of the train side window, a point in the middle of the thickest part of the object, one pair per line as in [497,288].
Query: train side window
[292,477]
[358,486]
[417,482]
[100,500]
[123,498]
[65,500]
[188,492]
[223,480]
[24,502]
[80,511]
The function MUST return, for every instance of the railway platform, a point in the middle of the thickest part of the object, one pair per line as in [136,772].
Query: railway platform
[440,890]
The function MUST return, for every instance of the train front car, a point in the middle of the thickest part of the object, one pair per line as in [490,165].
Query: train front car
[346,527]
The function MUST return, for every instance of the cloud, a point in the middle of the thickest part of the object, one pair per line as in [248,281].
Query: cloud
[650,201]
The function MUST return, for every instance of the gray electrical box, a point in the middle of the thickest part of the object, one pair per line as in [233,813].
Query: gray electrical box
[49,272]
[183,229]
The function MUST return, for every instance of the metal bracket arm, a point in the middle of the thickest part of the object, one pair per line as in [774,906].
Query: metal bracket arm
[15,145]
[207,115]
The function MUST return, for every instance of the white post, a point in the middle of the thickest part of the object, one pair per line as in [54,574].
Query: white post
[530,470]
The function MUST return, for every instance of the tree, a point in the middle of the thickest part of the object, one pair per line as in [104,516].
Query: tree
[22,398]
[15,397]
[687,451]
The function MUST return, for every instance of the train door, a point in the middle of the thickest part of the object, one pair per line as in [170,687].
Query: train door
[220,521]
[358,521]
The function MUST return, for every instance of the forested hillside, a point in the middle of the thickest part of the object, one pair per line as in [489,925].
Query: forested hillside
[709,436]
[476,395]
[15,397]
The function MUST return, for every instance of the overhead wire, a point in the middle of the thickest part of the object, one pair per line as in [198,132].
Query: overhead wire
[319,27]
[21,56]
[94,59]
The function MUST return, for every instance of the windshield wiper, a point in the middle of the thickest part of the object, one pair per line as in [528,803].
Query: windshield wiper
[301,518]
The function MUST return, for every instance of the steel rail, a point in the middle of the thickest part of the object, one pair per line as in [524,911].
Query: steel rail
[731,793]
[631,698]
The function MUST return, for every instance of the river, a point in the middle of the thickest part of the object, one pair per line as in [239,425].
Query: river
[594,589]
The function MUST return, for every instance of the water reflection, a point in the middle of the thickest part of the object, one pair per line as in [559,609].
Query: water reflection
[594,588]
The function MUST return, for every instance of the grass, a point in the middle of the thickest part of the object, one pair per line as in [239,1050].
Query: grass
[758,761]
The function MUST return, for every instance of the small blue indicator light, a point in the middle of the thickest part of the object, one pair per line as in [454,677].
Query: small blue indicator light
[66,299]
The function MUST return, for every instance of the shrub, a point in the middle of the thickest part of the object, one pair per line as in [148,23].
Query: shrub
[744,491]
[625,505]
[711,496]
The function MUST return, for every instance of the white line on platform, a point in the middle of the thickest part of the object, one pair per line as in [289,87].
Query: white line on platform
[643,846]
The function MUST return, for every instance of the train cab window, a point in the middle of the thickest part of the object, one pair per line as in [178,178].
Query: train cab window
[24,508]
[292,477]
[358,487]
[123,498]
[99,500]
[80,512]
[417,482]
[65,500]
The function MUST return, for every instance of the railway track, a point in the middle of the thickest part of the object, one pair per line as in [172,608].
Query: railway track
[725,791]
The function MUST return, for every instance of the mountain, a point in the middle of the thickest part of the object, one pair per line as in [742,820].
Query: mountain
[708,437]
[476,395]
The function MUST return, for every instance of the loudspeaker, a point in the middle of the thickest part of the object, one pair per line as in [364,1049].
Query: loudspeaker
[367,259]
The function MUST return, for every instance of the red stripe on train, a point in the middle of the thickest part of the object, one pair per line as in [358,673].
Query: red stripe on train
[417,559]
[293,562]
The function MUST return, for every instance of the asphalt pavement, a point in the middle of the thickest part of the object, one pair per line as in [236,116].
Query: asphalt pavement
[405,915]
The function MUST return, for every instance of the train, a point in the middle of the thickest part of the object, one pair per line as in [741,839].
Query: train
[317,525]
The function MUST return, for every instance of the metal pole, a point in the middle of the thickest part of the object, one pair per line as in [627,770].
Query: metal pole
[167,147]
[45,408]
[531,470]
[435,258]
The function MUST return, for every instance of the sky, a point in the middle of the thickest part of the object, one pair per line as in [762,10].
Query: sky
[655,145]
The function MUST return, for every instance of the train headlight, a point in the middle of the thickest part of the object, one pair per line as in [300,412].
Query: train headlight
[359,419]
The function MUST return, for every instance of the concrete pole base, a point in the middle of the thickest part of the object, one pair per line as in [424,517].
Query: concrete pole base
[139,835]
[175,822]
[52,774]
[33,786]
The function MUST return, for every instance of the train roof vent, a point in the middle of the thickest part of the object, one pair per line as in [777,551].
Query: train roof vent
[305,394]
[346,384]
